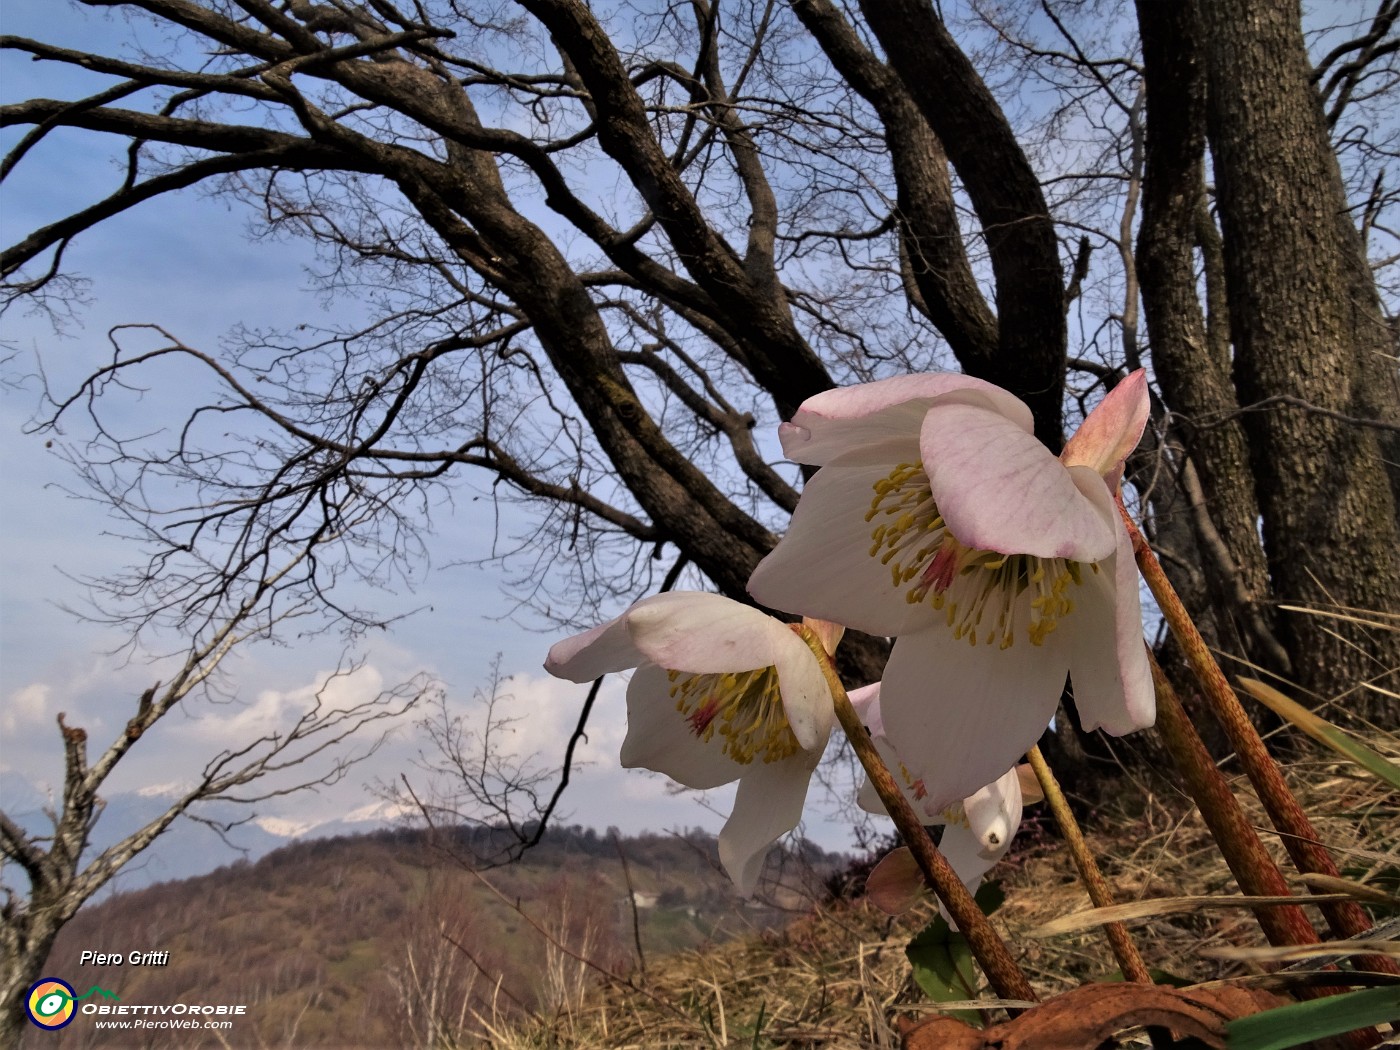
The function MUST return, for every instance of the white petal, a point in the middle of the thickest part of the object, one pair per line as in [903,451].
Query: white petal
[961,715]
[594,653]
[823,566]
[962,849]
[1109,673]
[698,632]
[659,738]
[836,421]
[806,697]
[868,799]
[994,815]
[767,806]
[1000,489]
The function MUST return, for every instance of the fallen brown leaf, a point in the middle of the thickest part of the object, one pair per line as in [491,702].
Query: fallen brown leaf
[1086,1016]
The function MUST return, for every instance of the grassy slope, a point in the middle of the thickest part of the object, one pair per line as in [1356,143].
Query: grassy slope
[350,942]
[839,977]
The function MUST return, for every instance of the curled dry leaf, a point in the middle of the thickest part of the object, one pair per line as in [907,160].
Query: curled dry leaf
[1088,1015]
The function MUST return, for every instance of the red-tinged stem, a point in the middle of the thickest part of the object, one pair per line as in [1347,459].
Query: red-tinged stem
[1251,864]
[1345,918]
[1253,868]
[987,947]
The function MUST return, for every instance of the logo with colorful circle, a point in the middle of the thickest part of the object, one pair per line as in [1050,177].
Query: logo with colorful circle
[52,1003]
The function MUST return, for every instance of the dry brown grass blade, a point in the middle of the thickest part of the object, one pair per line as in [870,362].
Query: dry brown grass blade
[1372,618]
[1295,953]
[1159,906]
[1362,892]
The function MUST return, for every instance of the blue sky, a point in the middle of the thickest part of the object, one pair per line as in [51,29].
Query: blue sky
[186,264]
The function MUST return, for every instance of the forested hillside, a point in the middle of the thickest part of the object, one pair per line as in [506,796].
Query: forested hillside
[373,940]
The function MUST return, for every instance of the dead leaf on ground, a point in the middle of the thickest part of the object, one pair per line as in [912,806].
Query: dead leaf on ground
[1088,1015]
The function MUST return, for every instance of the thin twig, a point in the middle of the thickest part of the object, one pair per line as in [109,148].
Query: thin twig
[1124,950]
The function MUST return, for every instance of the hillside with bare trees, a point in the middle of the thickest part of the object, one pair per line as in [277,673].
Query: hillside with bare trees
[394,939]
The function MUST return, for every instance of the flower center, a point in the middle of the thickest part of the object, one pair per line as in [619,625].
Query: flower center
[744,706]
[979,590]
[957,814]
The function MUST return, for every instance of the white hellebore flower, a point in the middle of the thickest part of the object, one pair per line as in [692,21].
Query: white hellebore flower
[978,831]
[938,518]
[722,692]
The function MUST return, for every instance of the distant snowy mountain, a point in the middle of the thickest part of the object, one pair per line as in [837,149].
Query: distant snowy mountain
[211,836]
[381,814]
[284,828]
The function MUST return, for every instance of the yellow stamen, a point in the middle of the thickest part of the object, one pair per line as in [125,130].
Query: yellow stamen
[979,590]
[745,706]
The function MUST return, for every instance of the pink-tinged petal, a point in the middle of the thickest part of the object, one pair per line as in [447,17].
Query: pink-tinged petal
[866,701]
[1109,673]
[698,632]
[896,884]
[823,567]
[767,806]
[962,715]
[807,699]
[835,421]
[1000,489]
[594,653]
[828,633]
[1031,791]
[659,738]
[1112,430]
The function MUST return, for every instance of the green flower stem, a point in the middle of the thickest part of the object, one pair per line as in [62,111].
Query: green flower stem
[991,952]
[1124,950]
[1345,918]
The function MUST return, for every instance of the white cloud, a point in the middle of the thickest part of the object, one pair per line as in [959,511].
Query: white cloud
[24,708]
[277,710]
[544,712]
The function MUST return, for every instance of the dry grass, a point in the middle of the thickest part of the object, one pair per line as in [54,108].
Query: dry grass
[839,977]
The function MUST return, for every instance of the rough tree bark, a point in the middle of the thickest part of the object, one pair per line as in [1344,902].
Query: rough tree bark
[1192,368]
[1308,353]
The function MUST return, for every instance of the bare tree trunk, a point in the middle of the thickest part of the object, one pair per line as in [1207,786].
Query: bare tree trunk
[1306,368]
[1005,193]
[25,943]
[1213,486]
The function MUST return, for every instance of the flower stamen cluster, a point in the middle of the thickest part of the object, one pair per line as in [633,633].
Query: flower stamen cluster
[746,707]
[968,583]
[939,519]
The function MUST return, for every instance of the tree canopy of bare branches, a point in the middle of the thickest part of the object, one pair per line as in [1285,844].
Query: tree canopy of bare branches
[328,736]
[605,247]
